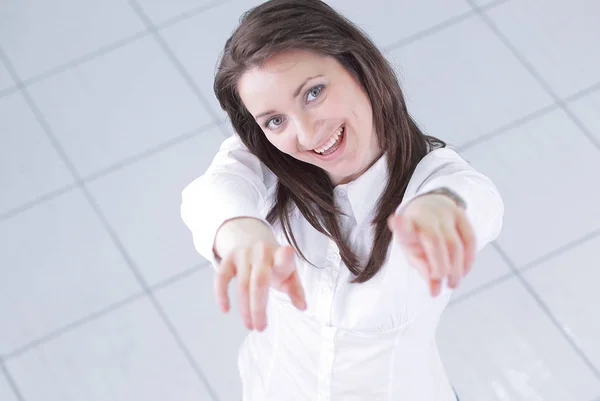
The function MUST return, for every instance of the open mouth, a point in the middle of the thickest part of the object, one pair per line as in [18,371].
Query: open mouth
[333,143]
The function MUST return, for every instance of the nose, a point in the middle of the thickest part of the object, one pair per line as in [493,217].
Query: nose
[306,131]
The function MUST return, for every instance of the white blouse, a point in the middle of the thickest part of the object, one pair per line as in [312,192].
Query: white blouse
[371,341]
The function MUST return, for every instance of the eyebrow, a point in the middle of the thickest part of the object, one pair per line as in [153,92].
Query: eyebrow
[296,93]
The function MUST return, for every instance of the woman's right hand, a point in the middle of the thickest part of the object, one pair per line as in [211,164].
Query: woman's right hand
[258,266]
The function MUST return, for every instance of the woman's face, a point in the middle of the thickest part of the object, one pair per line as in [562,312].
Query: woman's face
[313,109]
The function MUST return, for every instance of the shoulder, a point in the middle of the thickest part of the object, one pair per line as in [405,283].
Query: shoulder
[438,162]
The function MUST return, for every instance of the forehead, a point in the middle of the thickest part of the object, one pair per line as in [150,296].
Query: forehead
[283,72]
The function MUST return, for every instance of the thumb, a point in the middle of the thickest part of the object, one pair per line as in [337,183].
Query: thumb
[404,229]
[284,258]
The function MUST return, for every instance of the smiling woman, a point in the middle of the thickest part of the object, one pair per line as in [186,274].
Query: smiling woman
[301,205]
[281,55]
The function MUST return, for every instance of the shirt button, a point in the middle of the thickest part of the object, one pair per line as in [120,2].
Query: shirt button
[340,192]
[334,257]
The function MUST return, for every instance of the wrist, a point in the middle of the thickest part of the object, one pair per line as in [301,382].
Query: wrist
[450,194]
[240,232]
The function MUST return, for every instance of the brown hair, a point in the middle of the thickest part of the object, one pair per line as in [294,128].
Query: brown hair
[280,25]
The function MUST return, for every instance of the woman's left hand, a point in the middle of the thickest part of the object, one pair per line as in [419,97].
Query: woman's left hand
[437,238]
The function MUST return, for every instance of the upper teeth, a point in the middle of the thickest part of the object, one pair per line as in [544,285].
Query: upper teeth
[331,141]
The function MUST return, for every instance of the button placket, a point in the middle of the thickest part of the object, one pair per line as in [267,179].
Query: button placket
[326,362]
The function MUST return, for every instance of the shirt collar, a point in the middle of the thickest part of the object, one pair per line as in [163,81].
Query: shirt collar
[364,192]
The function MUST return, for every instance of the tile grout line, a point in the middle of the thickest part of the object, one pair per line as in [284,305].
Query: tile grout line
[455,20]
[93,55]
[54,142]
[108,48]
[146,154]
[109,230]
[509,126]
[8,91]
[28,205]
[73,325]
[428,31]
[561,250]
[11,381]
[175,61]
[102,312]
[129,161]
[546,310]
[582,93]
[481,289]
[528,266]
[530,117]
[534,73]
[189,14]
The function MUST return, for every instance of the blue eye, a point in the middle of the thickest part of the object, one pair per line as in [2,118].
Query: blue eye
[274,123]
[314,93]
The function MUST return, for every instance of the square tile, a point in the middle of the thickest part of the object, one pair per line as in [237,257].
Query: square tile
[125,355]
[213,338]
[63,266]
[586,109]
[119,105]
[559,39]
[29,165]
[543,170]
[38,35]
[499,345]
[568,284]
[160,11]
[388,21]
[462,82]
[488,267]
[6,392]
[142,203]
[199,41]
[6,80]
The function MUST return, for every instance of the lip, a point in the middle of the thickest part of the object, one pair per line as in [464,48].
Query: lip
[337,152]
[328,138]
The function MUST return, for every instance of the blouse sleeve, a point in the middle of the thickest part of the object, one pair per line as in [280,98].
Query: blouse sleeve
[235,185]
[444,168]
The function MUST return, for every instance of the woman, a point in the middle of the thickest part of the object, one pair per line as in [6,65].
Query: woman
[345,226]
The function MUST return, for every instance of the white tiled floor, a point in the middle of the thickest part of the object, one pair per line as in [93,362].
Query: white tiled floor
[101,296]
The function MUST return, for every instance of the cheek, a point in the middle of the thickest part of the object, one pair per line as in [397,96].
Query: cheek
[349,104]
[283,142]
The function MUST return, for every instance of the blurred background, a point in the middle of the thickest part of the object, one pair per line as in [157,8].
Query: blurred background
[107,112]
